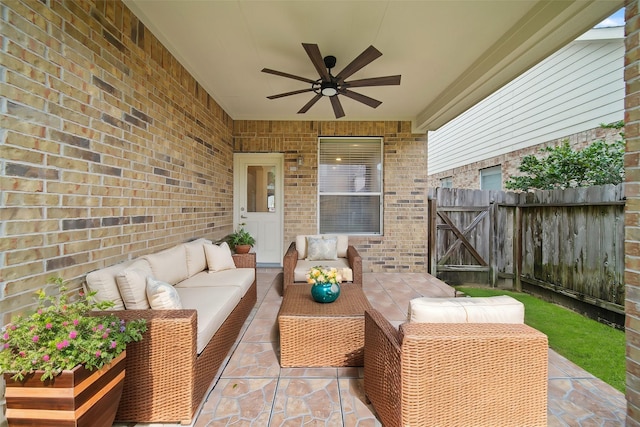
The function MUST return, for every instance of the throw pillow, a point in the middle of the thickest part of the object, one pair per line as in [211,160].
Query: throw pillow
[162,296]
[322,249]
[219,257]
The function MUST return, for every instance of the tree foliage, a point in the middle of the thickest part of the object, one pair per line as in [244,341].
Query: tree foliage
[563,167]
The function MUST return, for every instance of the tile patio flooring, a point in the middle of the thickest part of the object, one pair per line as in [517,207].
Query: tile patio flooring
[254,391]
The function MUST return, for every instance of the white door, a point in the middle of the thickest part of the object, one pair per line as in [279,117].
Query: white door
[258,189]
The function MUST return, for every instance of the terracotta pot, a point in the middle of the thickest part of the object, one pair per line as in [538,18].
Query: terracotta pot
[76,397]
[242,249]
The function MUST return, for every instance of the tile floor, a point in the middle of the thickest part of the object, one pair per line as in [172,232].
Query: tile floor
[253,390]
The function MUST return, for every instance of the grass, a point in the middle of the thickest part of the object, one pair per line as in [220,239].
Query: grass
[597,348]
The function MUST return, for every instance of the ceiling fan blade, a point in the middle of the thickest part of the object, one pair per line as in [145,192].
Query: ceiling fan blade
[375,81]
[309,104]
[337,106]
[287,75]
[294,92]
[316,58]
[369,55]
[373,103]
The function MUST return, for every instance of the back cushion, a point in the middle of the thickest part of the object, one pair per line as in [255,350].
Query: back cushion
[301,244]
[103,281]
[132,283]
[500,309]
[196,260]
[169,265]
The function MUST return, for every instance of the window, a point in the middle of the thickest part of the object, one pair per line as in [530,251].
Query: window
[491,178]
[446,182]
[350,186]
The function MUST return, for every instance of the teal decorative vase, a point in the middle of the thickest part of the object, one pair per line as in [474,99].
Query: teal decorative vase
[325,292]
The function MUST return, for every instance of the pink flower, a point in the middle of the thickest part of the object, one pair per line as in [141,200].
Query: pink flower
[48,326]
[105,335]
[114,344]
[45,357]
[62,344]
[22,354]
[6,345]
[65,323]
[100,326]
[98,353]
[75,322]
[5,336]
[39,311]
[35,338]
[73,334]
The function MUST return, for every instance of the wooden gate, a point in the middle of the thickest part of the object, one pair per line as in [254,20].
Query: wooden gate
[460,238]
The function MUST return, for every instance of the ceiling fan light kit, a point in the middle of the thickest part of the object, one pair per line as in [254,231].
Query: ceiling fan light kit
[331,86]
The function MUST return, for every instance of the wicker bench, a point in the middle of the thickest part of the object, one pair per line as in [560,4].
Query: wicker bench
[316,334]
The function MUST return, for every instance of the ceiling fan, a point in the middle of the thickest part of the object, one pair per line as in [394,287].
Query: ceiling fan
[332,86]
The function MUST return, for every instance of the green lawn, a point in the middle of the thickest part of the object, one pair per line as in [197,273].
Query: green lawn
[597,348]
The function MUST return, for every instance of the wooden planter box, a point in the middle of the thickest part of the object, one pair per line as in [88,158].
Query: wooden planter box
[76,397]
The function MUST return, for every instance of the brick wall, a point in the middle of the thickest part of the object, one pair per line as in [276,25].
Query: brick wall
[632,210]
[109,149]
[468,176]
[403,246]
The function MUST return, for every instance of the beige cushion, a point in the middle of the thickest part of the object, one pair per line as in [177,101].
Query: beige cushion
[500,309]
[322,248]
[132,283]
[103,281]
[213,304]
[169,265]
[219,257]
[196,260]
[342,245]
[162,296]
[303,266]
[239,277]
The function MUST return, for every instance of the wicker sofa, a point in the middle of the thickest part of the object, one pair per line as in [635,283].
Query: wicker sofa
[455,374]
[169,372]
[296,262]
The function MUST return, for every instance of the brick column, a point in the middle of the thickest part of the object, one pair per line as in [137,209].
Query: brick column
[632,210]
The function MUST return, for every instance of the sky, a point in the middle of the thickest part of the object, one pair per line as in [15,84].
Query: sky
[615,20]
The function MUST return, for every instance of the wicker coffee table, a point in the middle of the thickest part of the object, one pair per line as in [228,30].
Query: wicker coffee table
[316,334]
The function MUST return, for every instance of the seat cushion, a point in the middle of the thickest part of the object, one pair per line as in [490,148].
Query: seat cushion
[341,247]
[239,277]
[213,304]
[500,309]
[303,267]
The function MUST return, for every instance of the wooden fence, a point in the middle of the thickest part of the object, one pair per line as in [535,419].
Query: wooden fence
[570,241]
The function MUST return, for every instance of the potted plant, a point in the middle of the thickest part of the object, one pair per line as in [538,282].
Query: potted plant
[240,240]
[66,343]
[325,283]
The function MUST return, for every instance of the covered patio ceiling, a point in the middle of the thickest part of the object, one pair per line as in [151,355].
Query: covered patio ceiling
[451,54]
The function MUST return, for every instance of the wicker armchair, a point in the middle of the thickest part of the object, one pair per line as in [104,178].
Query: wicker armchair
[294,260]
[452,374]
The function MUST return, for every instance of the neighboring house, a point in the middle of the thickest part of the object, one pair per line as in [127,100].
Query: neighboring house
[566,96]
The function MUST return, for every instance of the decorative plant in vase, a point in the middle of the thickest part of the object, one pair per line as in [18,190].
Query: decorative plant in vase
[240,240]
[325,283]
[62,337]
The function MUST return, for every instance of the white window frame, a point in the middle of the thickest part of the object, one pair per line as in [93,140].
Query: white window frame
[446,182]
[491,171]
[379,194]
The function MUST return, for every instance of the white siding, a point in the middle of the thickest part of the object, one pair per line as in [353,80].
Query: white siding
[576,89]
